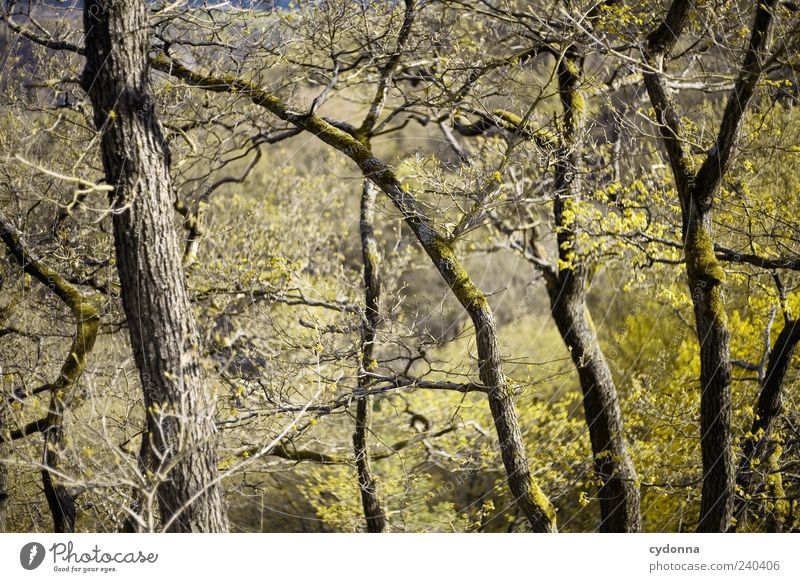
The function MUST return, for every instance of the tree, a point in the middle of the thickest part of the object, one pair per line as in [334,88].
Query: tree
[533,503]
[376,520]
[388,214]
[87,318]
[180,408]
[567,279]
[697,183]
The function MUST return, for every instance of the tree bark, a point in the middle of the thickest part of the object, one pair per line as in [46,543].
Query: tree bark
[163,333]
[59,499]
[767,410]
[373,512]
[697,187]
[567,287]
[619,493]
[705,276]
[3,492]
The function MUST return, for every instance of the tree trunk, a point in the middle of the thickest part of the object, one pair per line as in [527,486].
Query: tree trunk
[697,187]
[3,493]
[163,333]
[767,410]
[567,287]
[706,277]
[619,492]
[60,501]
[373,513]
[529,497]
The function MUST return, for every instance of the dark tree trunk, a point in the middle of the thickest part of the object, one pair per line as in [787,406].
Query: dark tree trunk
[706,277]
[3,493]
[767,410]
[697,185]
[373,512]
[567,287]
[60,501]
[165,341]
[619,492]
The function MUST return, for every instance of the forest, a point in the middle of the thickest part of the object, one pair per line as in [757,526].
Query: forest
[399,266]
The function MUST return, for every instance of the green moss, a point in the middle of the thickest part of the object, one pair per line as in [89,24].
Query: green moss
[465,290]
[511,119]
[543,504]
[705,270]
[577,103]
[701,262]
[356,149]
[571,67]
[83,343]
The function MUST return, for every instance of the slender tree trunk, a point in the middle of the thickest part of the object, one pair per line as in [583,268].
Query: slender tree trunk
[87,322]
[59,499]
[531,500]
[373,512]
[163,333]
[3,492]
[619,490]
[567,287]
[767,410]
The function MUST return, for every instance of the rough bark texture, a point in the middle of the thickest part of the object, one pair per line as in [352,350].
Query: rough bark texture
[567,287]
[180,411]
[705,276]
[697,187]
[59,499]
[767,410]
[3,498]
[529,497]
[373,512]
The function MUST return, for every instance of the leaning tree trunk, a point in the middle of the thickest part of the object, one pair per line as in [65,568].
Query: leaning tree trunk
[373,512]
[767,410]
[619,489]
[3,491]
[163,333]
[567,287]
